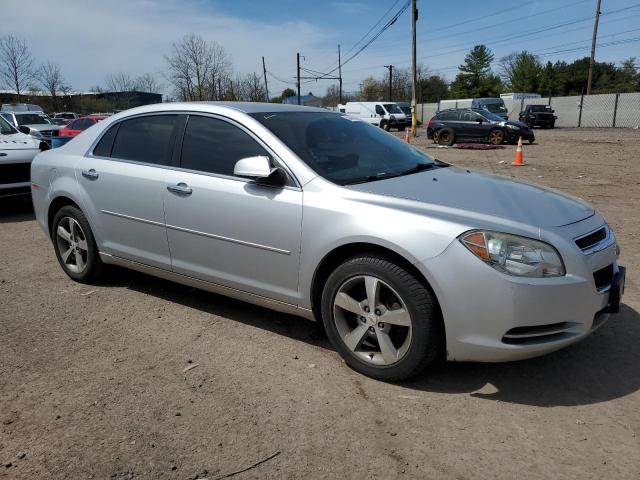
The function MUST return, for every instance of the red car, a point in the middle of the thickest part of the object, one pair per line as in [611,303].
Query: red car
[78,126]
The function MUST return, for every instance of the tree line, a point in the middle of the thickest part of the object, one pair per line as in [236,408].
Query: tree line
[525,72]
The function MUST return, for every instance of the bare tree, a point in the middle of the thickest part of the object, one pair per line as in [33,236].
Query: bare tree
[197,68]
[252,89]
[120,82]
[16,63]
[148,83]
[51,79]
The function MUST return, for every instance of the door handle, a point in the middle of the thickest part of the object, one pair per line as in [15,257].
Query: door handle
[91,174]
[180,188]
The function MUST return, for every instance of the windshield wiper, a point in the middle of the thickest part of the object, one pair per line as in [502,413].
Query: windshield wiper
[419,167]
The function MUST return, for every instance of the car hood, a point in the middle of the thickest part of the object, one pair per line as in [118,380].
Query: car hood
[485,194]
[17,141]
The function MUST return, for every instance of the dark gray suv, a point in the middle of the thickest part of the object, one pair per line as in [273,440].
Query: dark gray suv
[474,124]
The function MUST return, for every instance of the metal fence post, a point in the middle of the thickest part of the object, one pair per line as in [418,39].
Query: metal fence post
[549,103]
[580,113]
[615,109]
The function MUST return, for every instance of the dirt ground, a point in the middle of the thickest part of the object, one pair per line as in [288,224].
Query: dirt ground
[93,381]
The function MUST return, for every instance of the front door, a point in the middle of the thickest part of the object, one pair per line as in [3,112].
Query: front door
[225,229]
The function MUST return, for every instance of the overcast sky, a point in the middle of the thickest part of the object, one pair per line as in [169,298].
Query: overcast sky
[91,39]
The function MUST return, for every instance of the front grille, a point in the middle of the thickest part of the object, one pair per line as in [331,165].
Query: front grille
[603,277]
[538,334]
[15,172]
[592,239]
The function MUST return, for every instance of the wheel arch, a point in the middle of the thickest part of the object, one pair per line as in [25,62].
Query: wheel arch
[55,205]
[343,252]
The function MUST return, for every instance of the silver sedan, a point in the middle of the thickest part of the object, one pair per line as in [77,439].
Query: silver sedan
[405,259]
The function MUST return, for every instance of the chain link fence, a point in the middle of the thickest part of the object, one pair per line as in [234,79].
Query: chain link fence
[606,110]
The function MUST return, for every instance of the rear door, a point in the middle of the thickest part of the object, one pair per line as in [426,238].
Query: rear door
[229,230]
[123,183]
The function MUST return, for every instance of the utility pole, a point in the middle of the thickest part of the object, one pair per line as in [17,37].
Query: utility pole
[593,47]
[339,76]
[390,67]
[414,19]
[298,61]
[264,71]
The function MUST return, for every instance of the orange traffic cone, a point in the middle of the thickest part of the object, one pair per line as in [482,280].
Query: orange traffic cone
[519,160]
[407,136]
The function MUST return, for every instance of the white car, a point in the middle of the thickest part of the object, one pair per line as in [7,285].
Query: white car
[16,153]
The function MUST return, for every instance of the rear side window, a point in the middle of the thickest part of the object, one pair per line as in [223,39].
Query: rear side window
[214,146]
[145,139]
[449,116]
[103,148]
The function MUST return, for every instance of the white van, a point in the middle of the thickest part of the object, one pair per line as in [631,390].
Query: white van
[386,115]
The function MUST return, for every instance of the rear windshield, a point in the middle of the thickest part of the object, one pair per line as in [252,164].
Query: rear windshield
[539,108]
[341,149]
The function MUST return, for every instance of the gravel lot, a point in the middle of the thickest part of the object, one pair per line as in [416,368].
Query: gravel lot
[93,381]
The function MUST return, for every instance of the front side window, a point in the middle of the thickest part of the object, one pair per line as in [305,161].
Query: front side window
[214,146]
[343,150]
[145,139]
[379,110]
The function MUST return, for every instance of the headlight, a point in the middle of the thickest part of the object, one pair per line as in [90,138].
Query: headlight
[512,127]
[514,255]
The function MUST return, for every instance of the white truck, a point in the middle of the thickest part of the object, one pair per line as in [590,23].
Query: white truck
[386,115]
[16,152]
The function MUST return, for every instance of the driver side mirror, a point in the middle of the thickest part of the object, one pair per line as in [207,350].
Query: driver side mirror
[480,120]
[259,168]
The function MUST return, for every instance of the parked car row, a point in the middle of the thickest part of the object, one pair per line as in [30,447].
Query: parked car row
[386,115]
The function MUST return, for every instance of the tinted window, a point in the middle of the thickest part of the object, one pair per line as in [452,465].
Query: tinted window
[103,148]
[392,108]
[82,124]
[469,116]
[5,127]
[145,139]
[31,119]
[453,115]
[340,149]
[214,146]
[379,110]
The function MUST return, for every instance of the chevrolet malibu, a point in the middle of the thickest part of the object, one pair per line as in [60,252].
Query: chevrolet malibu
[404,258]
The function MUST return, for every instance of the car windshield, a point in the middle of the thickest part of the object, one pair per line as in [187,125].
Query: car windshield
[392,108]
[341,149]
[6,128]
[31,119]
[495,107]
[492,116]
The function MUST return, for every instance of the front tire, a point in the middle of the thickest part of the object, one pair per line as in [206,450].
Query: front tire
[75,246]
[381,319]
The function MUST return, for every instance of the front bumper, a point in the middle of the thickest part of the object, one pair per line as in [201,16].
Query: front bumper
[493,317]
[513,135]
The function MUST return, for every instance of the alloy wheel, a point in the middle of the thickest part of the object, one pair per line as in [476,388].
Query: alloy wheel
[496,137]
[372,320]
[72,244]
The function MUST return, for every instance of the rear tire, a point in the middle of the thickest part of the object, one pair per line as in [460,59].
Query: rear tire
[397,338]
[446,136]
[75,246]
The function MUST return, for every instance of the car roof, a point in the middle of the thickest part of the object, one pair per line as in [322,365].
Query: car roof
[260,107]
